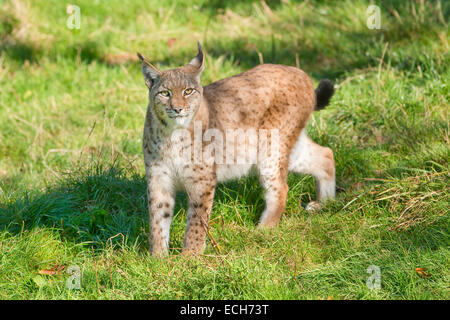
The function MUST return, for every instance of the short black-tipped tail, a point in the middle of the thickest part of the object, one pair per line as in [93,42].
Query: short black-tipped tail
[324,92]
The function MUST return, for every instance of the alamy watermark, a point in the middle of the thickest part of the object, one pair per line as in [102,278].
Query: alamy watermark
[74,280]
[373,17]
[374,281]
[74,19]
[234,146]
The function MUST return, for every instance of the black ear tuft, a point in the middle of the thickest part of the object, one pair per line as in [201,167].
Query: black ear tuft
[199,60]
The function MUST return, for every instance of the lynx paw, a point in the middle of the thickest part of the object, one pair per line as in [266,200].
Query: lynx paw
[313,206]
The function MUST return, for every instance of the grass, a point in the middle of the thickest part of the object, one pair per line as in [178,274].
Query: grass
[72,188]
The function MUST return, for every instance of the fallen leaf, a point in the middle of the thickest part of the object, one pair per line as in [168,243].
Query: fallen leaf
[171,42]
[47,272]
[51,272]
[423,272]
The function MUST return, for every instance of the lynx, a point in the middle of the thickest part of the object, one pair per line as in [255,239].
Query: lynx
[273,102]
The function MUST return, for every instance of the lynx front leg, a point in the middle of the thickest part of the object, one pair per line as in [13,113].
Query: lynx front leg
[160,204]
[201,195]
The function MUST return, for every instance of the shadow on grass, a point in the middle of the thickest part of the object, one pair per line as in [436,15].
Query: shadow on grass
[90,207]
[335,54]
[100,206]
[326,52]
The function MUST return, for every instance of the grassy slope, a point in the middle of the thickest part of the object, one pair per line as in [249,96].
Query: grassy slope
[71,175]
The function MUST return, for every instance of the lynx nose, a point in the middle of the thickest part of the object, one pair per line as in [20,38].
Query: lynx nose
[177,109]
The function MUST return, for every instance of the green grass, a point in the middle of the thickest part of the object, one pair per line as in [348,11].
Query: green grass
[72,188]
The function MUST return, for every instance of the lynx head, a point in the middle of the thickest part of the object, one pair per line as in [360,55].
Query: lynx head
[175,95]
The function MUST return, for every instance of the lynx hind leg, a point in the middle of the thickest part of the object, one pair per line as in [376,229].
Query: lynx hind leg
[310,158]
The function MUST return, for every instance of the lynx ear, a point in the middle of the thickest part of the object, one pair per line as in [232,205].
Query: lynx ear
[199,60]
[151,73]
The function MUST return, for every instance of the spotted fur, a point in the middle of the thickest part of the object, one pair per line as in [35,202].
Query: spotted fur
[264,98]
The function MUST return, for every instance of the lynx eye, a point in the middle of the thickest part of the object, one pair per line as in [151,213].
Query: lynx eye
[188,91]
[164,93]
